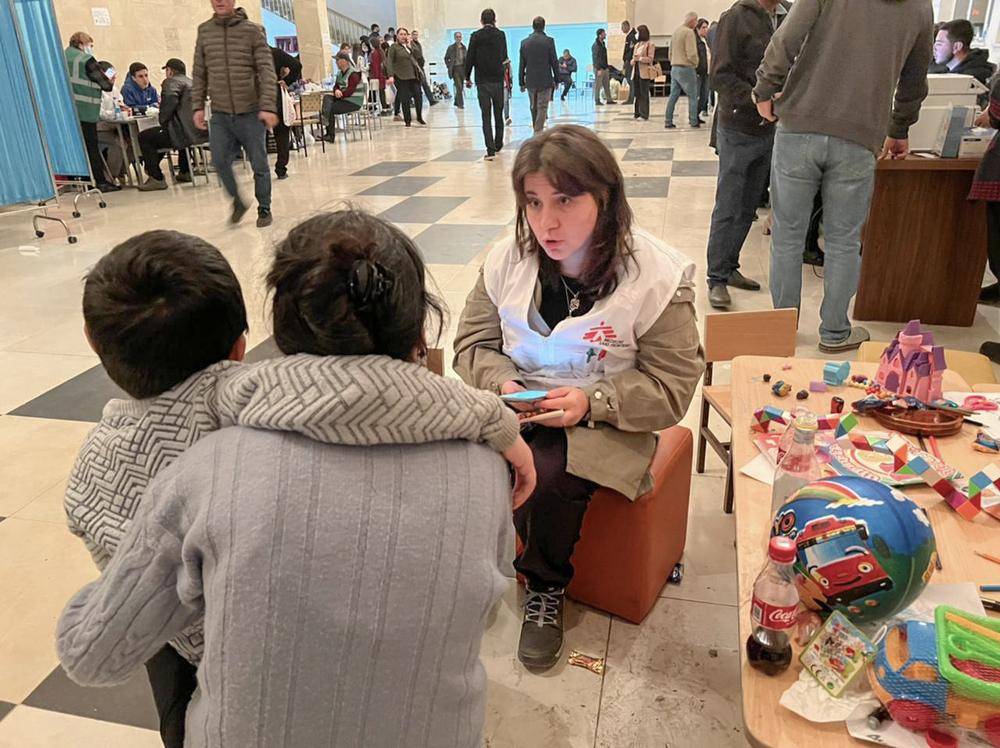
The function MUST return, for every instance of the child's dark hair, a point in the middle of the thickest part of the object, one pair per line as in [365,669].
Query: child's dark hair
[160,307]
[347,283]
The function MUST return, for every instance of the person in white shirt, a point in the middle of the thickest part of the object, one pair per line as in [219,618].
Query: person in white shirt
[599,314]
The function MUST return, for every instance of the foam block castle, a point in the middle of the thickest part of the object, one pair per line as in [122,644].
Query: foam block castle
[912,365]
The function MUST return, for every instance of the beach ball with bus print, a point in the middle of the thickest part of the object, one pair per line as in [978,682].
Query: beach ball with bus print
[864,548]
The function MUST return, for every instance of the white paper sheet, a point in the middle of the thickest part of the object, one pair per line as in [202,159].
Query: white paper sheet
[760,468]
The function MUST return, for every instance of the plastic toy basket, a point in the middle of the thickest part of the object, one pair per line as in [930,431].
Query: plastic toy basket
[969,653]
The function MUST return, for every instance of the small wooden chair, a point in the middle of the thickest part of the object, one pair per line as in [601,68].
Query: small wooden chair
[974,368]
[728,335]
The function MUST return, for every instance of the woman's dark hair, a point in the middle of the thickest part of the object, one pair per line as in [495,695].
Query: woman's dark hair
[575,161]
[349,284]
[104,65]
[701,22]
[642,33]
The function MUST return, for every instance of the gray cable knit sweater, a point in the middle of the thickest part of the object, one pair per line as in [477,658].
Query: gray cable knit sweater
[351,400]
[345,590]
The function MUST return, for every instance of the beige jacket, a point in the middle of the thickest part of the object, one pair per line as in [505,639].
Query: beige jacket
[233,65]
[616,445]
[684,47]
[643,58]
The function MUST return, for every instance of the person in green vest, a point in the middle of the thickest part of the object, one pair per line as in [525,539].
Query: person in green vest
[347,94]
[87,81]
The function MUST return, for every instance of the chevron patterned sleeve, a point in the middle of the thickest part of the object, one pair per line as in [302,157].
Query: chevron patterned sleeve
[113,625]
[360,400]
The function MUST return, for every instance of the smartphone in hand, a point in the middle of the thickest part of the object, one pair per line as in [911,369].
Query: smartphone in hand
[525,396]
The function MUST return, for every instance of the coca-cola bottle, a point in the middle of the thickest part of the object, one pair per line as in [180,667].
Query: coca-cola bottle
[799,464]
[774,609]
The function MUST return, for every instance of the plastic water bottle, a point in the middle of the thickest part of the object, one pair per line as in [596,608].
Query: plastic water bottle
[799,465]
[774,609]
[118,111]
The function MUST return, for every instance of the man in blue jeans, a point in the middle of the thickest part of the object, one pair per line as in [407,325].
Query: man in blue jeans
[233,65]
[837,112]
[744,141]
[684,70]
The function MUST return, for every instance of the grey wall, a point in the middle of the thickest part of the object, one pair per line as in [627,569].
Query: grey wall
[382,12]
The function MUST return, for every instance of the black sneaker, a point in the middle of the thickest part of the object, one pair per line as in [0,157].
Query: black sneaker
[670,126]
[264,218]
[542,630]
[239,210]
[281,174]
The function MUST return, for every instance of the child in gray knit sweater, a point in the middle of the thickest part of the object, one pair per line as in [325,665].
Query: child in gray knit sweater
[165,314]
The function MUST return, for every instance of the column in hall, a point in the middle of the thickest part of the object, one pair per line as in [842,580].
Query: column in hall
[618,11]
[312,25]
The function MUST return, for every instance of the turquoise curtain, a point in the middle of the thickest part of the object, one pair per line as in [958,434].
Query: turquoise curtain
[50,82]
[24,176]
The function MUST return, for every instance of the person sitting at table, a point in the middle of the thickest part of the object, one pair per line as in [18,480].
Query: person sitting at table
[113,109]
[600,314]
[567,66]
[176,130]
[346,96]
[137,91]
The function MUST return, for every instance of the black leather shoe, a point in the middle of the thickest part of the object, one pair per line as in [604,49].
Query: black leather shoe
[740,281]
[264,219]
[718,297]
[239,210]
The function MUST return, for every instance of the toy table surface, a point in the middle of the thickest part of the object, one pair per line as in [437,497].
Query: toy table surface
[767,722]
[924,244]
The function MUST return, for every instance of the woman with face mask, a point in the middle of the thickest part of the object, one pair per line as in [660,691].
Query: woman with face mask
[88,81]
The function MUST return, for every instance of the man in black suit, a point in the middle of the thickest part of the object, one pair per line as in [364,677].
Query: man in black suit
[486,57]
[538,71]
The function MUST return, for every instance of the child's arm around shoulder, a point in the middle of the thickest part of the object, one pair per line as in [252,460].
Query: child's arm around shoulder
[361,400]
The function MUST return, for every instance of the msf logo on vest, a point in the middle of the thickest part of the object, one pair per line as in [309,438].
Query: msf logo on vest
[604,336]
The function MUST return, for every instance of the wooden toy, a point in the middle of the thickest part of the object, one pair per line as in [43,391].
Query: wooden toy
[818,387]
[781,389]
[918,422]
[835,372]
[911,364]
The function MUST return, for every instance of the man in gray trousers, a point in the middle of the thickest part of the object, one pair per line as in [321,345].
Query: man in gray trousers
[538,71]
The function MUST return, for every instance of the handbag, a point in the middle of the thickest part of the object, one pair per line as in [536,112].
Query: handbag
[287,107]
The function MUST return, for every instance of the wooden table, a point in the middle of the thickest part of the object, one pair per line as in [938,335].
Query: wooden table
[924,246]
[768,723]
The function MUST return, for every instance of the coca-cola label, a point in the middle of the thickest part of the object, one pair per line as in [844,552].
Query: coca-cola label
[773,617]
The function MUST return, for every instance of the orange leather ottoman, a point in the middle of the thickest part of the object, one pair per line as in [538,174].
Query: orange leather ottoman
[628,549]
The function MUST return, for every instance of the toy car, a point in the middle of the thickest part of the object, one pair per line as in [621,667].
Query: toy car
[919,693]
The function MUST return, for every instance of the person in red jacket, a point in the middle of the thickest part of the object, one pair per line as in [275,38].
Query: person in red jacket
[376,72]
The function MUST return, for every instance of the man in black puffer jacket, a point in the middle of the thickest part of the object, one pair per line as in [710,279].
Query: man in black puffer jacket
[744,139]
[176,128]
[233,66]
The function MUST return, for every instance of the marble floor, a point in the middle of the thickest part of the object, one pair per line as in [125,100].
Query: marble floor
[673,681]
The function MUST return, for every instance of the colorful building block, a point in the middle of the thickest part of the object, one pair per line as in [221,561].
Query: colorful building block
[835,372]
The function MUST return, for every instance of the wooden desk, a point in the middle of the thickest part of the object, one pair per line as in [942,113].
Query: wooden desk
[924,246]
[768,723]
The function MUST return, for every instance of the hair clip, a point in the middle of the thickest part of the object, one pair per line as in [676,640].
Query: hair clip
[369,283]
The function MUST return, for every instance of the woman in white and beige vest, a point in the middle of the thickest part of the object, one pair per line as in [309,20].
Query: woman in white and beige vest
[601,315]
